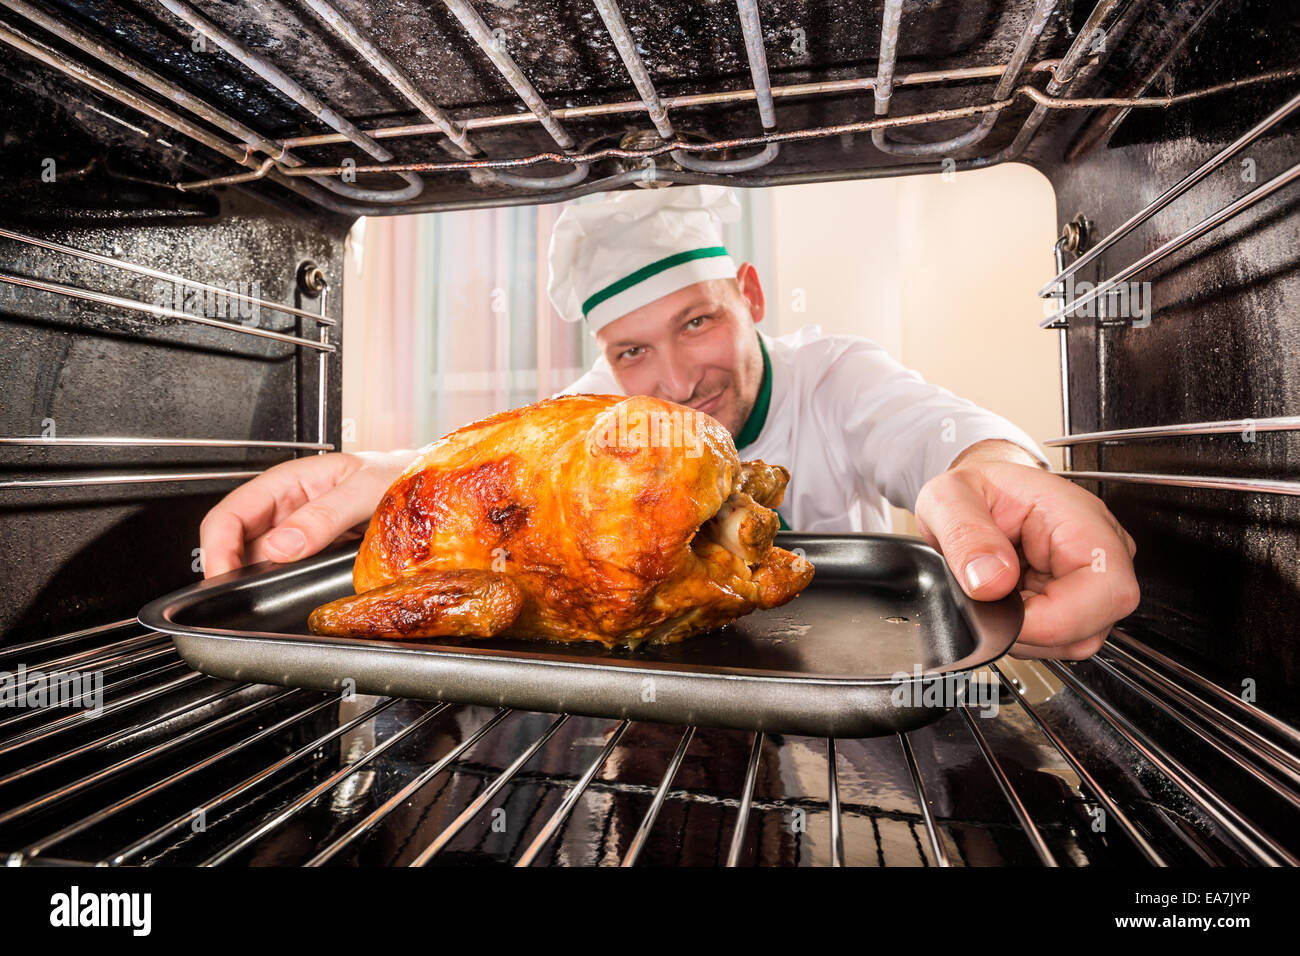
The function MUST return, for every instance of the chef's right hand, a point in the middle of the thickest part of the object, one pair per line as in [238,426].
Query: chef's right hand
[297,507]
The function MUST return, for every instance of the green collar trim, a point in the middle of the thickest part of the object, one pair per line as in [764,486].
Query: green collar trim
[646,272]
[758,416]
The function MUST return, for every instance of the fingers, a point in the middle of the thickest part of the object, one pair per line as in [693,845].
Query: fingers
[1032,582]
[317,523]
[1074,561]
[247,511]
[1081,568]
[257,506]
[1119,530]
[221,541]
[956,519]
[325,516]
[1079,605]
[1074,651]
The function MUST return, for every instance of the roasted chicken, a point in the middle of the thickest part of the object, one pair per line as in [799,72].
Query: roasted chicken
[579,518]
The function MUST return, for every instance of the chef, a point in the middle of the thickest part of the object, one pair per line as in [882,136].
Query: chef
[675,317]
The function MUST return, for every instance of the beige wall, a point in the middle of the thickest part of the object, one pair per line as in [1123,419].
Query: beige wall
[940,271]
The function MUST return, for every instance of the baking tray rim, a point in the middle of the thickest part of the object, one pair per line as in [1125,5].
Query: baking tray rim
[158,615]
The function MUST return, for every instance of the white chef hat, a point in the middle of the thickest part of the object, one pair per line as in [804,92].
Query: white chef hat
[628,248]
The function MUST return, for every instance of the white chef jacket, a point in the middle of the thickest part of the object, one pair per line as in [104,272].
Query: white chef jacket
[854,427]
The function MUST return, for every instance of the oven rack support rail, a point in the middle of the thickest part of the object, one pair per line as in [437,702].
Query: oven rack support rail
[1056,287]
[321,345]
[1259,744]
[264,157]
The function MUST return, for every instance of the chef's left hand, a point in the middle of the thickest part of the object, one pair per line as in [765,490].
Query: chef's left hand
[1001,523]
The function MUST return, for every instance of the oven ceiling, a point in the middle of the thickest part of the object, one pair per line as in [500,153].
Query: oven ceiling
[566,51]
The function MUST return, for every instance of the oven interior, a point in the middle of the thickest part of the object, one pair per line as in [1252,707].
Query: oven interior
[179,180]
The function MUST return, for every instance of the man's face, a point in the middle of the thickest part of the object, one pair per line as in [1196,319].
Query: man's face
[696,346]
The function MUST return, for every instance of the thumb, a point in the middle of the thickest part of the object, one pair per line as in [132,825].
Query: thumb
[317,523]
[955,518]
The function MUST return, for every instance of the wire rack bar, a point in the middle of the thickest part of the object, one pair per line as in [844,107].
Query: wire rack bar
[1264,849]
[123,765]
[97,654]
[558,818]
[1239,426]
[126,266]
[1173,192]
[661,792]
[277,819]
[68,638]
[746,801]
[1143,845]
[44,712]
[479,802]
[1213,221]
[1017,805]
[105,667]
[164,312]
[115,737]
[1250,738]
[149,442]
[125,803]
[1127,641]
[142,478]
[372,819]
[931,829]
[833,805]
[1254,485]
[243,787]
[1281,767]
[70,721]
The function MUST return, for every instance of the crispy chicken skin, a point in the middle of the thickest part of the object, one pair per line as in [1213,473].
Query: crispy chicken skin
[578,518]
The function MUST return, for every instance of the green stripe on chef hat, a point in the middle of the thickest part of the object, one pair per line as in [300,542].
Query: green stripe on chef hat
[648,272]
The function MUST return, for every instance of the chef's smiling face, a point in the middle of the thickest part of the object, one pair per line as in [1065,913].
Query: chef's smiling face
[695,346]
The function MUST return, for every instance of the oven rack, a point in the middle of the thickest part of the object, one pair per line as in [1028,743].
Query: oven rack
[1055,288]
[264,157]
[193,717]
[1211,222]
[322,345]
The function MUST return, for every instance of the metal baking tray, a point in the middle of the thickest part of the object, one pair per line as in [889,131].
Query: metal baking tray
[852,656]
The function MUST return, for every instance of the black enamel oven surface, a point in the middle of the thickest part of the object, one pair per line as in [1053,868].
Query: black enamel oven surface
[1149,752]
[863,650]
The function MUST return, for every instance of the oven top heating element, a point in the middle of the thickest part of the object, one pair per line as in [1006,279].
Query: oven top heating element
[604,143]
[173,767]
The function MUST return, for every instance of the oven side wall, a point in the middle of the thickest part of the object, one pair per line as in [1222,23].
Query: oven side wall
[83,555]
[1218,569]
